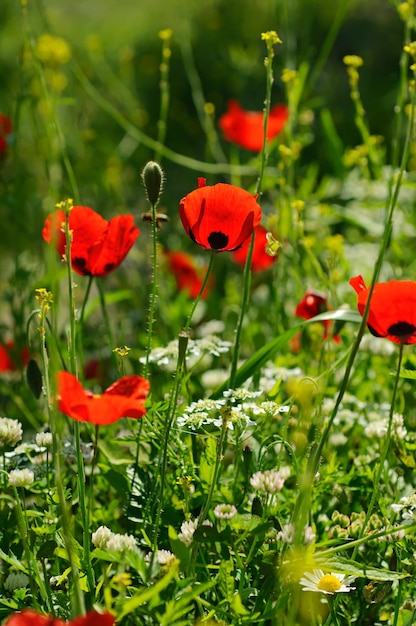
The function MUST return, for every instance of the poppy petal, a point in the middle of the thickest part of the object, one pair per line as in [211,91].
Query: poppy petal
[28,617]
[119,237]
[72,398]
[93,619]
[246,128]
[392,311]
[219,217]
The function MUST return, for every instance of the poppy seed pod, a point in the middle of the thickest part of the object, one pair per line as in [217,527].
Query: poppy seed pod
[153,179]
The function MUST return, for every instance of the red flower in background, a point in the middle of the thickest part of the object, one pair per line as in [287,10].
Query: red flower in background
[260,260]
[5,132]
[124,398]
[28,617]
[392,312]
[219,217]
[98,246]
[9,361]
[189,277]
[245,128]
[313,303]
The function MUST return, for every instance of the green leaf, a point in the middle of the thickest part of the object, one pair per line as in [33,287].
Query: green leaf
[226,582]
[148,593]
[409,374]
[34,378]
[345,566]
[208,460]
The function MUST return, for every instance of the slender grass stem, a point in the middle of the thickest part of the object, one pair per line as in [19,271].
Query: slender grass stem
[174,396]
[386,445]
[263,163]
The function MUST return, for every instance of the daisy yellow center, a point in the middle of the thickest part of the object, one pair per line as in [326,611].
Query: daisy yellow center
[329,583]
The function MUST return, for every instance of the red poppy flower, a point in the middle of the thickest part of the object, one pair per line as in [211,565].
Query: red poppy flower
[313,303]
[5,132]
[245,128]
[28,617]
[392,312]
[260,260]
[219,217]
[8,360]
[98,246]
[124,398]
[189,277]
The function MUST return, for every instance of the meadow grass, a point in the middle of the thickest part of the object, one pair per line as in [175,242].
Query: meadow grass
[207,418]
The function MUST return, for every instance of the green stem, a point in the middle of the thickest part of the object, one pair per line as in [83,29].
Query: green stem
[77,436]
[153,295]
[247,266]
[33,570]
[164,98]
[384,452]
[177,384]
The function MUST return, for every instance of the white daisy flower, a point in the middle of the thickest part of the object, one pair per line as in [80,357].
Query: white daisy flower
[326,583]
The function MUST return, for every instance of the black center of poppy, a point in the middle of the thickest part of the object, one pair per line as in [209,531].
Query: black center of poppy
[401,329]
[80,265]
[108,267]
[217,241]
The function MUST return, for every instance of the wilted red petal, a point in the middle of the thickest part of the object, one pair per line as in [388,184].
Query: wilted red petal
[260,260]
[28,617]
[219,217]
[392,312]
[125,398]
[246,128]
[93,619]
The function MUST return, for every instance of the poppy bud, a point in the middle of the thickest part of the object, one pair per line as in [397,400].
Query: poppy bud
[153,179]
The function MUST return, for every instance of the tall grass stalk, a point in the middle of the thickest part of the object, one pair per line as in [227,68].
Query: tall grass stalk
[271,38]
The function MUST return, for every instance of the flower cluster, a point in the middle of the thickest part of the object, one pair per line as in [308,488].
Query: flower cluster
[11,432]
[103,537]
[270,481]
[196,348]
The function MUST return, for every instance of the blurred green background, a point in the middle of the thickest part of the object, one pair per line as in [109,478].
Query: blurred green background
[117,45]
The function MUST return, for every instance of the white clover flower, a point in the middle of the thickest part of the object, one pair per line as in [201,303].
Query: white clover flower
[121,543]
[101,537]
[165,557]
[407,507]
[186,533]
[225,511]
[287,533]
[10,431]
[269,481]
[328,584]
[337,439]
[16,580]
[44,440]
[241,394]
[21,478]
